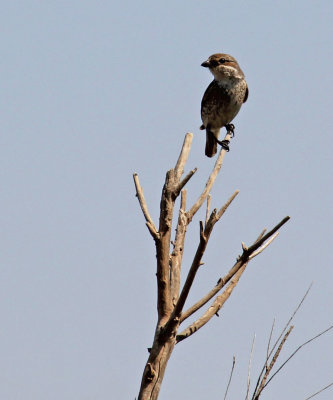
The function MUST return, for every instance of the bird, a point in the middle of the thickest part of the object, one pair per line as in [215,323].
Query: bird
[222,99]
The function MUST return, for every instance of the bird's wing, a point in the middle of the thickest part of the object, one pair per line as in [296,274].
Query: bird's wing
[213,99]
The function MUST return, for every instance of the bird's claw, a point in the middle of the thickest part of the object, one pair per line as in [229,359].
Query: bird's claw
[224,144]
[231,129]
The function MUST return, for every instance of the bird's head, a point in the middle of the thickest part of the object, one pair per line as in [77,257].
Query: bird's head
[223,67]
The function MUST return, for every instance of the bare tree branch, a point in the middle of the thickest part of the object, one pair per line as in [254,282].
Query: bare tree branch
[261,235]
[204,237]
[298,348]
[213,309]
[231,372]
[235,273]
[271,365]
[240,262]
[174,318]
[291,318]
[279,338]
[185,180]
[177,253]
[209,198]
[163,345]
[209,183]
[269,343]
[263,247]
[263,382]
[163,247]
[249,369]
[171,190]
[170,299]
[321,390]
[220,284]
[183,156]
[224,208]
[259,242]
[139,194]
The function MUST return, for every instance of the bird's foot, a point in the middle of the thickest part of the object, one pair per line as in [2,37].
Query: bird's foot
[224,144]
[231,129]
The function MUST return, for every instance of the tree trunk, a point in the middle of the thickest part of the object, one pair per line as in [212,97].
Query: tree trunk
[155,367]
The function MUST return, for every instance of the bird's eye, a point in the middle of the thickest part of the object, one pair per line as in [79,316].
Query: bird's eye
[222,60]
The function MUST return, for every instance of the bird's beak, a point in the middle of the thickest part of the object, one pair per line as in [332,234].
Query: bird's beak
[205,64]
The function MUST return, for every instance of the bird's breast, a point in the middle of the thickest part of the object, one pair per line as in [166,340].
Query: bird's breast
[222,101]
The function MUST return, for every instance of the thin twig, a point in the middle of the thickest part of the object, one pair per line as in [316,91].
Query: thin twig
[261,235]
[224,208]
[213,308]
[291,318]
[263,383]
[298,348]
[321,390]
[240,262]
[209,183]
[230,377]
[263,247]
[220,284]
[279,338]
[269,342]
[209,198]
[139,193]
[259,242]
[249,370]
[185,180]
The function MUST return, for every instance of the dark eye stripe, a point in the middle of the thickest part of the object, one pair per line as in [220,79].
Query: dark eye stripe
[224,60]
[213,63]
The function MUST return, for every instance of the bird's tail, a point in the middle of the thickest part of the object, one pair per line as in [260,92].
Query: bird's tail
[211,145]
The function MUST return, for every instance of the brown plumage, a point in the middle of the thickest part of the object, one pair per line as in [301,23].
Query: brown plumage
[223,98]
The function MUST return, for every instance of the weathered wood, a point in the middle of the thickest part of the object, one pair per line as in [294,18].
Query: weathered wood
[171,297]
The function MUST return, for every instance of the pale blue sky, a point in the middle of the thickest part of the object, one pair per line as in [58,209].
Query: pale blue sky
[92,91]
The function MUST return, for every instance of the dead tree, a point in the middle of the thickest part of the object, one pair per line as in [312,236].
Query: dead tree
[171,325]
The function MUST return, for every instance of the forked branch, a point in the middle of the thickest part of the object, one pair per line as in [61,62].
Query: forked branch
[213,309]
[205,233]
[171,297]
[211,179]
[248,253]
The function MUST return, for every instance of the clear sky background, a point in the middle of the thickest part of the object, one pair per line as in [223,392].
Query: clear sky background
[92,91]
